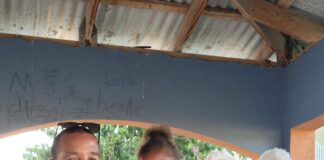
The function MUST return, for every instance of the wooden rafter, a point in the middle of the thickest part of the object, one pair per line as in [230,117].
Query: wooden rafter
[146,4]
[190,55]
[275,40]
[143,50]
[282,20]
[90,19]
[284,3]
[188,23]
[37,38]
[175,7]
[262,53]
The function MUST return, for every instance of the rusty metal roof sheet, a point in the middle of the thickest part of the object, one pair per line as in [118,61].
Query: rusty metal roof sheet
[224,38]
[132,27]
[124,26]
[310,8]
[59,19]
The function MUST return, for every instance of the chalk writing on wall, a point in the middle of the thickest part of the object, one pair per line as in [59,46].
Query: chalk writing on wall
[64,100]
[120,81]
[51,78]
[26,111]
[21,82]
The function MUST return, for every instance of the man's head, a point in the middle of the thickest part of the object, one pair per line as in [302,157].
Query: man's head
[75,143]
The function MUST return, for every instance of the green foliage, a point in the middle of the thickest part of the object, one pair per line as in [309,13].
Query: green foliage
[41,151]
[187,145]
[38,152]
[121,143]
[50,132]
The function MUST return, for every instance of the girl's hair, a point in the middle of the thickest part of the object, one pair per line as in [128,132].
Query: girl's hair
[157,137]
[275,154]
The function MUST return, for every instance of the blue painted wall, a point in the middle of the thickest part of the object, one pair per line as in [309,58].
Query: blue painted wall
[42,82]
[304,87]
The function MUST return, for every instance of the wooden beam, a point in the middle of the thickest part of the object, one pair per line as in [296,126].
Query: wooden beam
[188,23]
[35,39]
[145,51]
[147,4]
[282,20]
[276,42]
[90,18]
[175,7]
[193,56]
[262,53]
[284,3]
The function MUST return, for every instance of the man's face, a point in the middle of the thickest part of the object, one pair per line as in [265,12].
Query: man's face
[78,146]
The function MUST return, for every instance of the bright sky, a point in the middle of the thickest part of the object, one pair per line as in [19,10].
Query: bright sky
[13,147]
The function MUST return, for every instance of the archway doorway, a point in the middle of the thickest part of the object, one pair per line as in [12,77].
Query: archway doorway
[143,125]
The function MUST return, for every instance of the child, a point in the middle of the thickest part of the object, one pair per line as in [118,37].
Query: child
[158,145]
[275,154]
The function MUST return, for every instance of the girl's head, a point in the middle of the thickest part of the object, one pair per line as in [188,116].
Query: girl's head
[275,154]
[158,145]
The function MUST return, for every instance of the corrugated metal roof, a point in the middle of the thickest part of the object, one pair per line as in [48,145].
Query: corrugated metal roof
[310,8]
[132,27]
[59,19]
[225,4]
[124,26]
[315,7]
[224,38]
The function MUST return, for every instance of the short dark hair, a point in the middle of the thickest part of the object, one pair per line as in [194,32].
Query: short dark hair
[158,137]
[70,130]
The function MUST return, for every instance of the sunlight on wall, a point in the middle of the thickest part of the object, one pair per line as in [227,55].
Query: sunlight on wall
[13,147]
[320,135]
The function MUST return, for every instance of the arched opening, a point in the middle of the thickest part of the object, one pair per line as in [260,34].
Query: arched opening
[144,125]
[319,143]
[302,139]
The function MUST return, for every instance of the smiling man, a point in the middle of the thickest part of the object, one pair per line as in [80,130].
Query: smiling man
[76,143]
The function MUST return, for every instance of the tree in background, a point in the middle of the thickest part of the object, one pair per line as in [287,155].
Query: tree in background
[121,143]
[41,151]
[38,152]
[192,149]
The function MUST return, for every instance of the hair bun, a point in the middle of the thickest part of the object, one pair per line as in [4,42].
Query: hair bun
[158,132]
